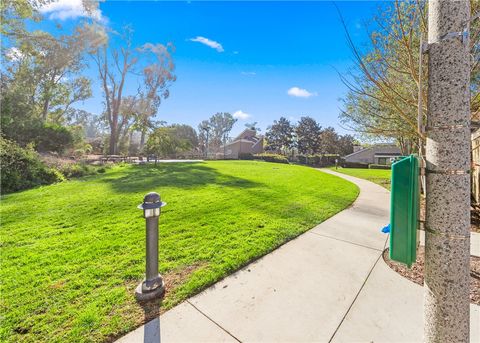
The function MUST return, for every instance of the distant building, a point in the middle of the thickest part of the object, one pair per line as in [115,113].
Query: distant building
[246,142]
[376,154]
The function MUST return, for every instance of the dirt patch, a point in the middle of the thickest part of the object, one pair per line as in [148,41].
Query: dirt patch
[415,273]
[137,313]
[176,277]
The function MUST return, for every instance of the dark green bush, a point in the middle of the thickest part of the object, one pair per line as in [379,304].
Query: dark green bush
[22,169]
[53,138]
[318,160]
[245,156]
[346,164]
[45,137]
[77,170]
[379,166]
[271,158]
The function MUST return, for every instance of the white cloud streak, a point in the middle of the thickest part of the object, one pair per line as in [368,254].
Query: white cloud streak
[241,115]
[249,73]
[208,42]
[300,92]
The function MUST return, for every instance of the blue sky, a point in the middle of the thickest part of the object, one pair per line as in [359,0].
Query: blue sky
[243,57]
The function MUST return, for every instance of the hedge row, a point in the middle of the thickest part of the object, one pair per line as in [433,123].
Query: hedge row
[318,160]
[271,158]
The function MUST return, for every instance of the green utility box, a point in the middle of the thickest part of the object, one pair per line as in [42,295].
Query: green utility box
[404,210]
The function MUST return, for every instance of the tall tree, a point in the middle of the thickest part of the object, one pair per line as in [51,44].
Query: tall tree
[171,140]
[221,124]
[204,129]
[329,141]
[308,133]
[47,70]
[116,64]
[345,145]
[279,136]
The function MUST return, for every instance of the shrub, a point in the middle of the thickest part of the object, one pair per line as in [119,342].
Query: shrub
[72,170]
[53,138]
[354,165]
[45,137]
[271,158]
[379,166]
[318,160]
[245,156]
[22,168]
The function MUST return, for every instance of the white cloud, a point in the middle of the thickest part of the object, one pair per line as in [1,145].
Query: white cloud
[300,92]
[241,115]
[235,52]
[249,73]
[208,42]
[69,9]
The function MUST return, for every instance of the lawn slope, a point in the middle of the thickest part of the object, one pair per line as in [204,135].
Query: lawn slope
[381,177]
[72,253]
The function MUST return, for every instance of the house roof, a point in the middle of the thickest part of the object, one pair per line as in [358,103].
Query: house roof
[377,150]
[357,152]
[243,132]
[240,140]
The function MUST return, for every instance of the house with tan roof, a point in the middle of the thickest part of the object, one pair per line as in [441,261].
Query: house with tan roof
[246,142]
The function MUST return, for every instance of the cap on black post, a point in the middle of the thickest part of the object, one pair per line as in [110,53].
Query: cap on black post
[151,205]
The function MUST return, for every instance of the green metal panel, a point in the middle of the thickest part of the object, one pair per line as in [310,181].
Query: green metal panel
[404,210]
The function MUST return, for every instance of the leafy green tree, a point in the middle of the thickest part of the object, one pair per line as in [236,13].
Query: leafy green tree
[280,136]
[329,141]
[253,126]
[307,134]
[345,145]
[383,98]
[40,78]
[115,67]
[171,140]
[186,133]
[47,70]
[221,124]
[204,129]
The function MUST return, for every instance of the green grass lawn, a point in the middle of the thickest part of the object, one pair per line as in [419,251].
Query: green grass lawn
[73,253]
[379,176]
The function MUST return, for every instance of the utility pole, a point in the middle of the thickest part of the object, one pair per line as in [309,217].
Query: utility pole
[447,243]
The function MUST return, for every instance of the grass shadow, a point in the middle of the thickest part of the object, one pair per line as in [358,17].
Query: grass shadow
[179,175]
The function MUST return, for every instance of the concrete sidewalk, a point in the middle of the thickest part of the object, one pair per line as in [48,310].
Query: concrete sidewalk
[328,285]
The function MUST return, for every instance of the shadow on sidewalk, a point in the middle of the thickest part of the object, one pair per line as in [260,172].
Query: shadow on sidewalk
[151,329]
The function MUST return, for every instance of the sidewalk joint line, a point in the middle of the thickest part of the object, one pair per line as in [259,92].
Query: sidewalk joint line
[214,322]
[355,299]
[342,240]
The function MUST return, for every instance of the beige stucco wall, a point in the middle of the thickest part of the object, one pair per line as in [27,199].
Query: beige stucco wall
[235,148]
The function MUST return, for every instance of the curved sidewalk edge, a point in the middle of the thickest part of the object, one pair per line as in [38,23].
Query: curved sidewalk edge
[390,308]
[329,284]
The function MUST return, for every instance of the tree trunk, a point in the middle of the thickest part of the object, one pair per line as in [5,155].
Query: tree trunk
[142,139]
[112,150]
[447,242]
[46,105]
